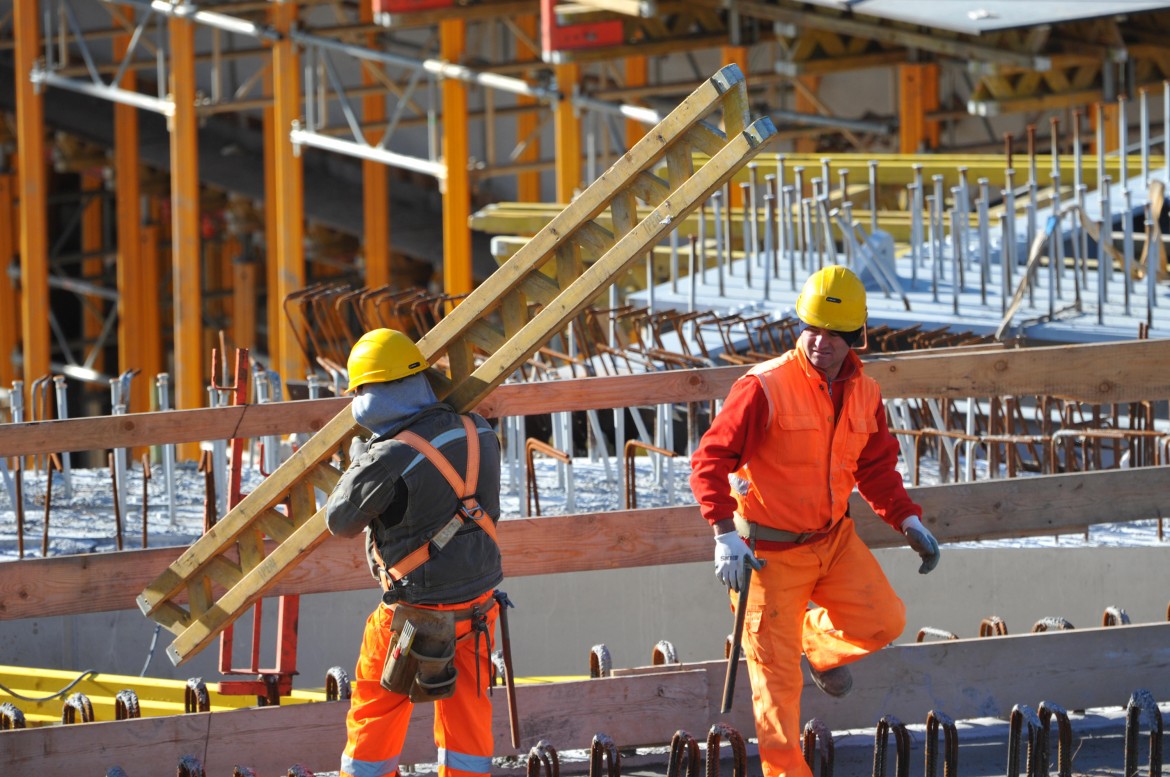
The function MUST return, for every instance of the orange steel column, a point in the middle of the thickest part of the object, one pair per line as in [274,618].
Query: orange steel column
[244,296]
[456,188]
[92,243]
[528,123]
[9,299]
[33,196]
[736,55]
[275,312]
[375,181]
[133,293]
[150,348]
[567,132]
[917,96]
[806,105]
[186,250]
[636,75]
[287,197]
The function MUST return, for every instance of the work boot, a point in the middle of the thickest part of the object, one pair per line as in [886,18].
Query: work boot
[837,682]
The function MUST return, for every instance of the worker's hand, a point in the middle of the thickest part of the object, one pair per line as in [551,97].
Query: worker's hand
[923,543]
[731,553]
[357,446]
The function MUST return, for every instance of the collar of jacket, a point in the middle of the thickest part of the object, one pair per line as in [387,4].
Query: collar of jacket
[406,423]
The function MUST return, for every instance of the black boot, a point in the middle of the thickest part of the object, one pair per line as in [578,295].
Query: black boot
[837,682]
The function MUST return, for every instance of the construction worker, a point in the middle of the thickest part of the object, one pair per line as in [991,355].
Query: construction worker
[776,469]
[430,542]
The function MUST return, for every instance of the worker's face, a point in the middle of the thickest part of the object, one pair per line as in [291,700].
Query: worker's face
[825,349]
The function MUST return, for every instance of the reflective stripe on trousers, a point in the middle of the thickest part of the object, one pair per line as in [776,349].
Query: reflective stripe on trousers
[856,612]
[377,721]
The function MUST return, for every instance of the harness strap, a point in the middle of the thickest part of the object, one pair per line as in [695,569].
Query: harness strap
[470,508]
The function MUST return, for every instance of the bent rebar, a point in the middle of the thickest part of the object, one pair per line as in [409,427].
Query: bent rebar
[1141,704]
[683,744]
[663,653]
[126,705]
[195,697]
[934,721]
[604,749]
[1064,739]
[1021,714]
[543,753]
[77,705]
[336,684]
[600,661]
[715,737]
[818,738]
[887,724]
[11,717]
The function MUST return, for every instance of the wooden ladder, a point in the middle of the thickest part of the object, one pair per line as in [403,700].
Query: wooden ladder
[255,544]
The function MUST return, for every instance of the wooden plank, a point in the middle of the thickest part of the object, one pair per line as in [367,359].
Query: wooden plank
[573,299]
[64,585]
[584,208]
[965,679]
[270,492]
[971,371]
[171,426]
[250,589]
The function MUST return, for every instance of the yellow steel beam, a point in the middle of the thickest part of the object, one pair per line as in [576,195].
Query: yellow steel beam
[286,199]
[33,196]
[375,180]
[9,298]
[528,122]
[456,186]
[186,247]
[567,134]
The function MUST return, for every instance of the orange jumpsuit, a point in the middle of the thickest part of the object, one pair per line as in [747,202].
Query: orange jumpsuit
[793,446]
[378,719]
[401,501]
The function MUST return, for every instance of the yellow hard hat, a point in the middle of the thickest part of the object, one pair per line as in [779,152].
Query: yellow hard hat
[833,298]
[383,355]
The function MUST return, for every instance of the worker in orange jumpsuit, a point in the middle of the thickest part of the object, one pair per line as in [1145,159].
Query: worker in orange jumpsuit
[776,469]
[432,549]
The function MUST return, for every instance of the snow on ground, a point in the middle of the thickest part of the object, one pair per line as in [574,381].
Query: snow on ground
[85,522]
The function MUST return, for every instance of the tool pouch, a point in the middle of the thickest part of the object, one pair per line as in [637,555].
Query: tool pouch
[420,662]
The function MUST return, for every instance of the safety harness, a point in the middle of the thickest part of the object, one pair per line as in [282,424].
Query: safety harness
[470,510]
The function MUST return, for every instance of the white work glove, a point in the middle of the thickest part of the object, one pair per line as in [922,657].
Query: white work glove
[730,554]
[923,543]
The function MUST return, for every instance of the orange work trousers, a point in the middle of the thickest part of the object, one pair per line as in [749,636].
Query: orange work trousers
[377,721]
[829,600]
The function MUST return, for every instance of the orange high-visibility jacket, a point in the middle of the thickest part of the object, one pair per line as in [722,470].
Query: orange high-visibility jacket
[795,468]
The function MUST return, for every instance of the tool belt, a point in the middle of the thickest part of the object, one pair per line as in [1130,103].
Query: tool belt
[420,661]
[754,530]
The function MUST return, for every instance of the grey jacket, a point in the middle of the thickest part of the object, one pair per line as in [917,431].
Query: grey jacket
[394,494]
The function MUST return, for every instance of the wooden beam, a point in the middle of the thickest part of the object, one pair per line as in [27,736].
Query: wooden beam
[1100,373]
[965,679]
[1046,505]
